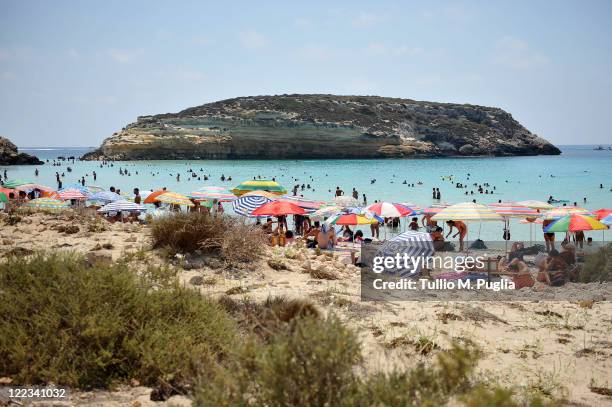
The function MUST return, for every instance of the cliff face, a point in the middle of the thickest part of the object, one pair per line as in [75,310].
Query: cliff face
[323,126]
[10,156]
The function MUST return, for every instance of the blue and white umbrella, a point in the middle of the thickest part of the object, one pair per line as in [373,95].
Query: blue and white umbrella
[122,206]
[416,245]
[105,196]
[247,204]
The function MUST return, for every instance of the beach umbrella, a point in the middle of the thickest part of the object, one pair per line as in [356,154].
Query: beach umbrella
[71,193]
[174,199]
[152,197]
[607,220]
[467,211]
[278,208]
[12,184]
[513,210]
[31,187]
[536,204]
[527,221]
[345,201]
[413,244]
[7,191]
[47,203]
[121,206]
[265,194]
[3,197]
[562,211]
[213,194]
[94,188]
[105,197]
[259,185]
[325,212]
[389,210]
[302,202]
[247,204]
[602,213]
[51,194]
[84,190]
[351,219]
[575,223]
[435,208]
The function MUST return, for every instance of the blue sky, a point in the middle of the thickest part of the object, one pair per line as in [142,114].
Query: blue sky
[73,72]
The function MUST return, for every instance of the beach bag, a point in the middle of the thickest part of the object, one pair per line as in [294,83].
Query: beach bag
[506,234]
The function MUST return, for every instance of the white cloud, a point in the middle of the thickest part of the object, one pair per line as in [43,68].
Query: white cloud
[123,56]
[253,40]
[517,54]
[364,19]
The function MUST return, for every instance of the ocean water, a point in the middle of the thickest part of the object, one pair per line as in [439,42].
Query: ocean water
[572,176]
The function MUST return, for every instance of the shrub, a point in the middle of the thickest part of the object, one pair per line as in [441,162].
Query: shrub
[85,327]
[230,238]
[598,266]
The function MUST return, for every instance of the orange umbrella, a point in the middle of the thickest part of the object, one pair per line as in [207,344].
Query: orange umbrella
[153,195]
[7,191]
[278,208]
[51,194]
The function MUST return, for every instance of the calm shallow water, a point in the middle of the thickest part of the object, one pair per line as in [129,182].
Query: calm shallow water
[576,174]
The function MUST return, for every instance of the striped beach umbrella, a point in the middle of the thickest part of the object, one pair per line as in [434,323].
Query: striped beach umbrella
[247,204]
[513,210]
[607,220]
[122,206]
[174,199]
[212,193]
[345,201]
[152,197]
[259,185]
[47,203]
[562,211]
[71,193]
[414,245]
[266,194]
[278,208]
[325,212]
[14,183]
[467,212]
[575,223]
[536,204]
[390,210]
[435,208]
[105,197]
[528,221]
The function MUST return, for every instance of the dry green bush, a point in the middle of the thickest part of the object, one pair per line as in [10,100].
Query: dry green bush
[70,324]
[230,238]
[598,266]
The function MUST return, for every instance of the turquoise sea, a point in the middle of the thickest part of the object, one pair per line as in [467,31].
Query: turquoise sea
[572,176]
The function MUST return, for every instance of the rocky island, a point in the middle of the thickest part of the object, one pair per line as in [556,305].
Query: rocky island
[10,156]
[323,126]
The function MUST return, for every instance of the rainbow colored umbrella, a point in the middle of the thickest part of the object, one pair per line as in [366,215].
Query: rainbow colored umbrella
[351,219]
[278,208]
[575,223]
[259,185]
[3,197]
[152,197]
[47,203]
[607,220]
[390,210]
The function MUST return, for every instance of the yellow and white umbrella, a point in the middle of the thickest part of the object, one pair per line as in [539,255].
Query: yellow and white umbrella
[467,212]
[536,204]
[174,199]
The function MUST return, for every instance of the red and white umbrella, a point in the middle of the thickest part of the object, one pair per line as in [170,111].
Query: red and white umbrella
[278,208]
[71,193]
[435,208]
[513,210]
[389,210]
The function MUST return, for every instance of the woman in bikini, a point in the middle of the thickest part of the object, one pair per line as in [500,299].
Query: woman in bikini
[461,231]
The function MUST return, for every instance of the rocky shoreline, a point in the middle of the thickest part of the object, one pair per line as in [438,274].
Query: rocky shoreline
[323,127]
[9,155]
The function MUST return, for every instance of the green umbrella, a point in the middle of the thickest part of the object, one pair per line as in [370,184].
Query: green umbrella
[14,183]
[3,197]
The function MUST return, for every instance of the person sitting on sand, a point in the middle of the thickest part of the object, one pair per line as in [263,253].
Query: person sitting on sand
[552,269]
[311,236]
[326,239]
[267,227]
[289,238]
[347,234]
[516,251]
[461,231]
[358,236]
